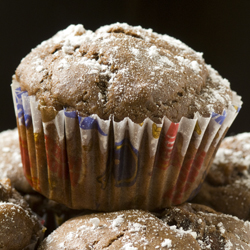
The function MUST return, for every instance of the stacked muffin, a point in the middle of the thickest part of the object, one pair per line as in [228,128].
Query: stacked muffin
[226,187]
[20,228]
[124,118]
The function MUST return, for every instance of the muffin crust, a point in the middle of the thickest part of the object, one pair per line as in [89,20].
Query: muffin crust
[122,71]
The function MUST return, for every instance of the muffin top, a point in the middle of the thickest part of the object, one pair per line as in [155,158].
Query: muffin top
[188,226]
[122,71]
[125,230]
[213,230]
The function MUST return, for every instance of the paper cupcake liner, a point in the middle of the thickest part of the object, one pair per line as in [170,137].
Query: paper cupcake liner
[90,163]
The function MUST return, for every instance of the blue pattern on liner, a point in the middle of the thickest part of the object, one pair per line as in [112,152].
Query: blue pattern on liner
[19,103]
[70,114]
[27,111]
[126,163]
[219,118]
[28,120]
[90,123]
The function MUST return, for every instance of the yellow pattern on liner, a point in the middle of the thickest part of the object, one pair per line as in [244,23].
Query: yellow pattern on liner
[197,128]
[156,131]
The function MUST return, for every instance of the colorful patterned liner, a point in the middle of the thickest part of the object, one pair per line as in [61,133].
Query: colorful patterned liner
[90,163]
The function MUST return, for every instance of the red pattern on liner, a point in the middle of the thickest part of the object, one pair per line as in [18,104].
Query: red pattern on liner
[75,166]
[166,149]
[198,161]
[56,158]
[25,160]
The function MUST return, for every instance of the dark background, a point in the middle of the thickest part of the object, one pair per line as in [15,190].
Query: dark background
[218,28]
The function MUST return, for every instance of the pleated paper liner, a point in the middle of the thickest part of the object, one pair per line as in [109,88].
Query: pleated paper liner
[90,163]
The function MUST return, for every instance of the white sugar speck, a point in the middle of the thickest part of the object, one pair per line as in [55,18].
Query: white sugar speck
[166,243]
[39,68]
[6,149]
[129,246]
[95,221]
[117,222]
[195,66]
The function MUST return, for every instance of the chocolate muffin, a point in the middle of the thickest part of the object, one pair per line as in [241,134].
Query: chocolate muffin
[212,230]
[11,164]
[226,188]
[188,226]
[122,71]
[131,229]
[122,117]
[20,228]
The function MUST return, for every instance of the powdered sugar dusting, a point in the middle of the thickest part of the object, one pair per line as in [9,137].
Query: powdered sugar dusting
[177,44]
[213,229]
[63,64]
[216,77]
[129,246]
[153,53]
[117,222]
[195,67]
[6,149]
[128,64]
[136,230]
[166,243]
[221,227]
[69,33]
[136,227]
[182,232]
[95,221]
[229,245]
[234,150]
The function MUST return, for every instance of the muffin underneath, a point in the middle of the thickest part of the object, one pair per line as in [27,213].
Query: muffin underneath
[226,187]
[212,230]
[11,163]
[20,227]
[131,229]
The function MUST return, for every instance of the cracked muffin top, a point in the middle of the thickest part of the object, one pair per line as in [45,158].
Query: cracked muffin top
[212,230]
[122,71]
[127,230]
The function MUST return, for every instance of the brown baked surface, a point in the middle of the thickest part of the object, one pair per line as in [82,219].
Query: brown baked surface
[227,185]
[11,163]
[20,228]
[123,71]
[130,229]
[211,229]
